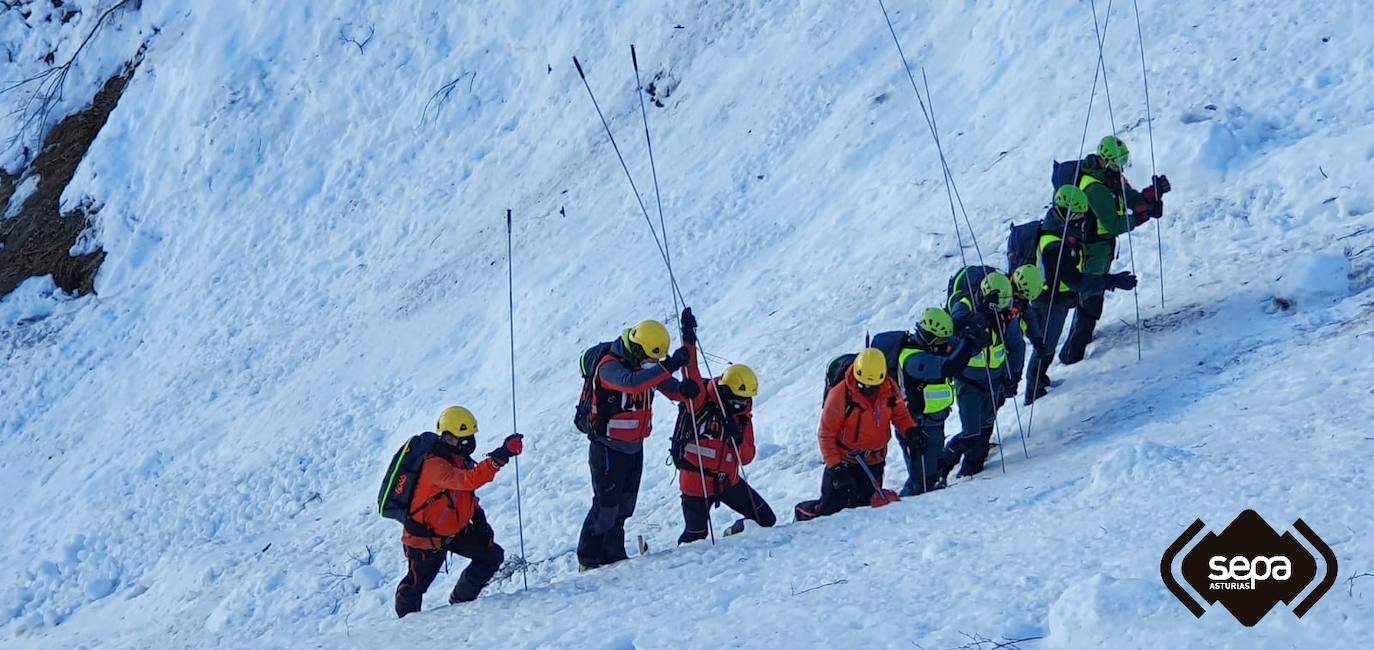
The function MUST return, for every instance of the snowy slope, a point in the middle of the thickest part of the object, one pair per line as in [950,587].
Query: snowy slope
[305,265]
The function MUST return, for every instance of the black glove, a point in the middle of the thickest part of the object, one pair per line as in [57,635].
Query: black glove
[1161,182]
[510,448]
[1123,280]
[978,338]
[1155,210]
[689,389]
[916,439]
[734,431]
[1010,386]
[676,360]
[689,327]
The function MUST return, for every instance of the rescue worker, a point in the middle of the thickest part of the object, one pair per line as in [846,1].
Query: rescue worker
[855,427]
[634,367]
[1059,254]
[980,303]
[925,363]
[1114,209]
[450,510]
[713,439]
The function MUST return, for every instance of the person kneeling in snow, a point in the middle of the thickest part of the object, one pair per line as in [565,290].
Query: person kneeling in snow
[856,424]
[449,509]
[713,438]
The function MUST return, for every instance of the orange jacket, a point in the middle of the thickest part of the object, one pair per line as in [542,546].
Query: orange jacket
[852,421]
[447,485]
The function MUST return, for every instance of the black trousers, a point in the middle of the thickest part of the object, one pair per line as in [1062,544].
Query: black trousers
[924,462]
[475,542]
[1043,343]
[977,417]
[844,486]
[1081,333]
[740,497]
[615,490]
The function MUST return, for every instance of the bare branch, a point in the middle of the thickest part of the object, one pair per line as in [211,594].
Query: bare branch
[1350,582]
[345,37]
[820,586]
[49,85]
[441,95]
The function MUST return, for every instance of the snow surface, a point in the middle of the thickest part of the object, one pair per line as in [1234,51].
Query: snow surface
[306,263]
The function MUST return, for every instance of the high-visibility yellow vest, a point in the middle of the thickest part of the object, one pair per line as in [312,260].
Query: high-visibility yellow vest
[992,356]
[1045,240]
[937,396]
[1088,181]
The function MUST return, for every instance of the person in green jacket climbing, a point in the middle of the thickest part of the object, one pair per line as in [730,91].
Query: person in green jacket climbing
[1115,208]
[1059,256]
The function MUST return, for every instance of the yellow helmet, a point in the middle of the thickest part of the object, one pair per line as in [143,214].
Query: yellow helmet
[457,421]
[870,367]
[740,380]
[651,337]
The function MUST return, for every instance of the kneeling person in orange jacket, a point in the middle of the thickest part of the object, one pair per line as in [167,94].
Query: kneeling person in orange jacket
[709,456]
[448,507]
[856,425]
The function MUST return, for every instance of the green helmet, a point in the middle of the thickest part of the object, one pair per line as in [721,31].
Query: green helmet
[1072,201]
[996,286]
[936,323]
[1114,152]
[1029,281]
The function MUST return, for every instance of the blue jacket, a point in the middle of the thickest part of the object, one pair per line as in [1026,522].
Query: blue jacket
[927,366]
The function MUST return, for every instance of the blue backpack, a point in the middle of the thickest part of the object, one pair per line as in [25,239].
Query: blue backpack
[1064,173]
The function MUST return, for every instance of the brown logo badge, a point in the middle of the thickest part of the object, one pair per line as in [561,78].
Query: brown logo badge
[1249,568]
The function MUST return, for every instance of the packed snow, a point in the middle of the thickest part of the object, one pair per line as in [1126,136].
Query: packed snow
[303,207]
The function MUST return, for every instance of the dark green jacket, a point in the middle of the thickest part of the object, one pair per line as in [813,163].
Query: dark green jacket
[1103,199]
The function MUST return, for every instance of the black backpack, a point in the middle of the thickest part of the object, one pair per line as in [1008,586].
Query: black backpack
[584,418]
[967,277]
[1022,244]
[834,372]
[398,486]
[891,345]
[1064,173]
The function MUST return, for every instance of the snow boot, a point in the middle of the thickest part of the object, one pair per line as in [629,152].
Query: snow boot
[1038,387]
[1041,389]
[464,592]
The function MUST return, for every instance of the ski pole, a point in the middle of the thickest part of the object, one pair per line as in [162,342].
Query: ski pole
[949,186]
[678,300]
[653,168]
[1001,328]
[510,294]
[1150,127]
[924,485]
[1111,116]
[879,497]
[1077,177]
[634,189]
